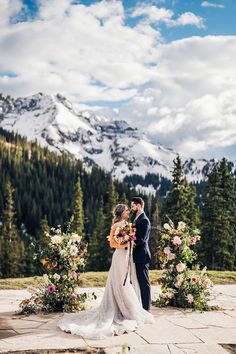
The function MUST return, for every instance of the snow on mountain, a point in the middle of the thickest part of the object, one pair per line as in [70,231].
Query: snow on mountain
[113,145]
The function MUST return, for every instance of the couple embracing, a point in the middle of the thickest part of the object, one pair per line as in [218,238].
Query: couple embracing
[126,301]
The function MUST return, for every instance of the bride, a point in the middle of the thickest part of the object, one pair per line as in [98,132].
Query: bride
[121,309]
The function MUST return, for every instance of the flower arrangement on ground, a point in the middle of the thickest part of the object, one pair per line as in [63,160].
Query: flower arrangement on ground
[180,286]
[63,260]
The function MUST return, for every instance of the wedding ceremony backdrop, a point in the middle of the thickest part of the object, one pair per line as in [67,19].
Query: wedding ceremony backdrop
[40,189]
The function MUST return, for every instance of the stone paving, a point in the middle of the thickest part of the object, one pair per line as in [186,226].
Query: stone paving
[176,331]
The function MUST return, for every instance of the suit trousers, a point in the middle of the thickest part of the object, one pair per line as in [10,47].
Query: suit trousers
[143,279]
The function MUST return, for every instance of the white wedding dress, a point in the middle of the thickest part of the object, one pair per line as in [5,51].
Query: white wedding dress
[120,310]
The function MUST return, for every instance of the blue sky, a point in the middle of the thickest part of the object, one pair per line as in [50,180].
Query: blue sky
[219,20]
[165,66]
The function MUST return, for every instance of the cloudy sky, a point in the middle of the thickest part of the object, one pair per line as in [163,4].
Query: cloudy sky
[166,66]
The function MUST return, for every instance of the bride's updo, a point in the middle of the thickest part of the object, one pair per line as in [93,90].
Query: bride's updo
[117,212]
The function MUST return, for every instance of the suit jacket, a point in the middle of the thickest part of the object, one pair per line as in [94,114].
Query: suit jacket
[141,252]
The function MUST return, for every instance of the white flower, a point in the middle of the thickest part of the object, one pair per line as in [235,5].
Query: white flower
[73,250]
[82,261]
[63,253]
[46,279]
[56,239]
[56,276]
[180,267]
[203,271]
[117,231]
[167,250]
[181,226]
[177,284]
[75,237]
[171,256]
[167,227]
[169,294]
[207,283]
[189,298]
[126,238]
[64,277]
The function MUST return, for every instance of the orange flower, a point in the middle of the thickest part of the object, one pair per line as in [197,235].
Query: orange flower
[25,302]
[44,261]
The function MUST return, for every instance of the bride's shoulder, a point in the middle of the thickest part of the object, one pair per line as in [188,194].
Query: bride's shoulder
[117,224]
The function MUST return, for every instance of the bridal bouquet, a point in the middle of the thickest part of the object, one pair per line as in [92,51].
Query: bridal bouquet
[124,234]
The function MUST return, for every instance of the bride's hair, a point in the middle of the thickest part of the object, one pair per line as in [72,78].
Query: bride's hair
[117,212]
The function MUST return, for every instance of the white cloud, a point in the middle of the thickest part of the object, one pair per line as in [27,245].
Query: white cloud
[157,15]
[211,4]
[8,9]
[86,52]
[188,18]
[192,103]
[153,13]
[181,93]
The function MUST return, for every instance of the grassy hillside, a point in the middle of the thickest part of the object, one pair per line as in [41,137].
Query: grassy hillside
[97,279]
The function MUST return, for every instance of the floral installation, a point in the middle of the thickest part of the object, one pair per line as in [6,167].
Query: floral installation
[63,259]
[180,286]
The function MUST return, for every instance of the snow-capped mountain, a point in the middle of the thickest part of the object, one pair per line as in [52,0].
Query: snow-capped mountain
[113,145]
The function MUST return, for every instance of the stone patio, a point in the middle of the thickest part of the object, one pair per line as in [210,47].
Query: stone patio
[175,331]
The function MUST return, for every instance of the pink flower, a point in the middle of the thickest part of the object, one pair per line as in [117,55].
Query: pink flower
[73,297]
[73,250]
[194,279]
[176,241]
[51,288]
[180,267]
[74,275]
[193,240]
[189,298]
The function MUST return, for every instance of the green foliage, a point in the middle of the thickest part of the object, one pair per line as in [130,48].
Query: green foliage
[97,243]
[77,224]
[218,246]
[11,246]
[53,187]
[180,203]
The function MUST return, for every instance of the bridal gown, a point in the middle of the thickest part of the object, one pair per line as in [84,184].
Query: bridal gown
[120,310]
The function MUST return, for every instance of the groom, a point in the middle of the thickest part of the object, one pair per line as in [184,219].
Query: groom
[141,252]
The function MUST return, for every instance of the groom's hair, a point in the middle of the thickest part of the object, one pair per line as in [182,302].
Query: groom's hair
[138,200]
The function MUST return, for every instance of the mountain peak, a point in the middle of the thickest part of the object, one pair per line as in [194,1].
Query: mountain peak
[113,145]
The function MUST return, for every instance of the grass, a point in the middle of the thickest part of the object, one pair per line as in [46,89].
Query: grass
[98,279]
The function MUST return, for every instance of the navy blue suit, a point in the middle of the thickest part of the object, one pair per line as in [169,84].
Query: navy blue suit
[141,257]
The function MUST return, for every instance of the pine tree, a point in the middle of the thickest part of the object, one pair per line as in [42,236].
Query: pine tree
[154,237]
[97,247]
[12,247]
[218,219]
[42,243]
[180,203]
[105,250]
[30,268]
[77,224]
